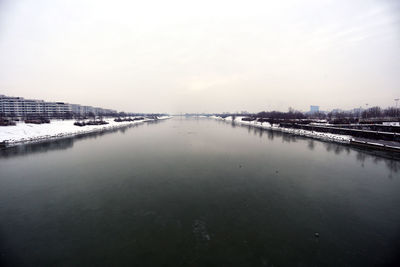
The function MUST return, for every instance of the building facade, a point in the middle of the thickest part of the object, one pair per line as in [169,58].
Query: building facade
[19,107]
[314,109]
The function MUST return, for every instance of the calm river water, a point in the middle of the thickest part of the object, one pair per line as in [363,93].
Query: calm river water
[197,192]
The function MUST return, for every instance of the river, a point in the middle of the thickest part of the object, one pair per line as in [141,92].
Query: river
[197,192]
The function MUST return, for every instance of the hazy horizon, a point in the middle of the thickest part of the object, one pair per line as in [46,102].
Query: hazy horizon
[181,56]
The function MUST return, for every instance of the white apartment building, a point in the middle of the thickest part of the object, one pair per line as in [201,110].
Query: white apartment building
[19,107]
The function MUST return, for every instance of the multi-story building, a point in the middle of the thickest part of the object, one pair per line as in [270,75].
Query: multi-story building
[13,106]
[77,109]
[29,108]
[314,109]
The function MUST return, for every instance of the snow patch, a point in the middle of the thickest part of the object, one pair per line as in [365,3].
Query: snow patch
[29,133]
[312,134]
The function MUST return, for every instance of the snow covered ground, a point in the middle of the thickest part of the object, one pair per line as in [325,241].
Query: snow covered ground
[29,133]
[313,134]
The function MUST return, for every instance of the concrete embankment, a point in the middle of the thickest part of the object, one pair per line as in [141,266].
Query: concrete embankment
[376,144]
[386,141]
[311,134]
[375,135]
[389,141]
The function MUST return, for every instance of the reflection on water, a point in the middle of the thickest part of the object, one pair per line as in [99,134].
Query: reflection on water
[311,144]
[60,144]
[21,150]
[57,144]
[270,135]
[391,159]
[198,192]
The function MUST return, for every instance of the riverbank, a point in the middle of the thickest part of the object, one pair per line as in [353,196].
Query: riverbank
[311,134]
[23,133]
[338,138]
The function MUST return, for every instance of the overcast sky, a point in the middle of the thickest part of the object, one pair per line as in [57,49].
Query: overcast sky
[202,56]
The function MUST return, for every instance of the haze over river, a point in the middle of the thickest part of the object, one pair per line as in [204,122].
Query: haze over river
[197,192]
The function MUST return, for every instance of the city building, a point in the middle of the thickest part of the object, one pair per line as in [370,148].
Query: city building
[19,107]
[314,109]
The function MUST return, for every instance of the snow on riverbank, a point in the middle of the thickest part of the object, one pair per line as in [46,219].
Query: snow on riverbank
[312,134]
[29,133]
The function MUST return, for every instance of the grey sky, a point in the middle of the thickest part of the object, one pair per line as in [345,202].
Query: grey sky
[202,56]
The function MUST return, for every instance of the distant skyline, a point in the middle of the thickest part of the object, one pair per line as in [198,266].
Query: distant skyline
[202,56]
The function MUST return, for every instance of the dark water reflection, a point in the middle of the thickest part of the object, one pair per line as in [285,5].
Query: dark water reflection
[391,159]
[42,147]
[60,144]
[197,192]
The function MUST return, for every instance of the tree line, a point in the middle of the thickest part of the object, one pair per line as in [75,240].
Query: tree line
[338,116]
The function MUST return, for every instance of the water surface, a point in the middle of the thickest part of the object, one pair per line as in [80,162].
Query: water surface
[197,192]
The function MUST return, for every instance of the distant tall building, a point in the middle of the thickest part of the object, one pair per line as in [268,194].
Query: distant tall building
[314,109]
